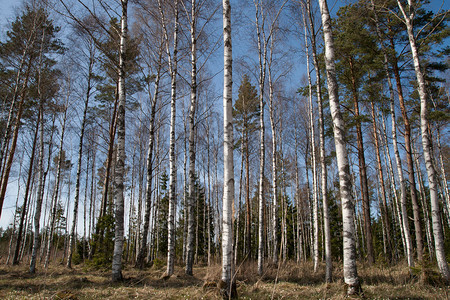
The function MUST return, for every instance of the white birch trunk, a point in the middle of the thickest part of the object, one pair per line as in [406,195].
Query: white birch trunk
[444,176]
[262,74]
[120,162]
[274,158]
[313,152]
[191,230]
[228,145]
[350,273]
[426,144]
[172,158]
[326,219]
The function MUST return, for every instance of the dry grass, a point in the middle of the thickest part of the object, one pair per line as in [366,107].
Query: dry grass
[286,281]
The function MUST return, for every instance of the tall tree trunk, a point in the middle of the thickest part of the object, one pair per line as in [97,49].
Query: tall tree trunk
[151,141]
[120,163]
[92,198]
[444,175]
[274,157]
[323,166]
[362,169]
[312,137]
[41,186]
[80,156]
[54,203]
[172,155]
[13,232]
[299,248]
[236,244]
[404,217]
[384,206]
[191,234]
[248,227]
[423,200]
[27,191]
[426,144]
[262,56]
[9,161]
[5,139]
[185,196]
[350,273]
[228,146]
[409,158]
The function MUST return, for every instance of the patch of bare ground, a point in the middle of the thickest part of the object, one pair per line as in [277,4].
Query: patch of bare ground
[286,280]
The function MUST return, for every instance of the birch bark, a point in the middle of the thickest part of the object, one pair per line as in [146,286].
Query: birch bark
[426,144]
[323,166]
[120,163]
[350,273]
[228,145]
[172,158]
[191,230]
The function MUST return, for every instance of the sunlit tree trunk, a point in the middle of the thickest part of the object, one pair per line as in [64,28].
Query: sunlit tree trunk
[323,166]
[312,136]
[444,175]
[238,215]
[404,216]
[409,158]
[350,273]
[228,145]
[274,157]
[384,206]
[423,200]
[120,162]
[262,51]
[426,144]
[190,217]
[80,156]
[172,157]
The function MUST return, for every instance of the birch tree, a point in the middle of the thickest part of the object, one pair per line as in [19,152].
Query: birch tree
[323,166]
[193,99]
[120,163]
[173,64]
[408,12]
[350,273]
[228,146]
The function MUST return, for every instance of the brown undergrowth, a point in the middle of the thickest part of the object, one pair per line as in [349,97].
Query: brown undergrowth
[286,280]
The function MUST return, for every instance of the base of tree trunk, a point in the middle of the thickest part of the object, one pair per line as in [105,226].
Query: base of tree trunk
[354,290]
[117,277]
[226,291]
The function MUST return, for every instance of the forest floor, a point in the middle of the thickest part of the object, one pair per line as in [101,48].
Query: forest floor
[286,281]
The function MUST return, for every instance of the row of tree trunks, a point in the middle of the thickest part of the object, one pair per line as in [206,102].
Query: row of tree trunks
[80,156]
